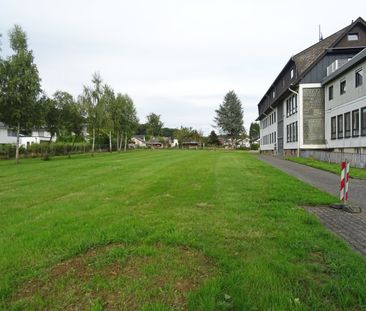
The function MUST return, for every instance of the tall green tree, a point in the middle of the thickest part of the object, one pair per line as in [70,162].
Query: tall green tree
[116,111]
[213,139]
[107,104]
[129,120]
[154,124]
[90,99]
[52,116]
[229,116]
[254,131]
[72,116]
[19,86]
[186,134]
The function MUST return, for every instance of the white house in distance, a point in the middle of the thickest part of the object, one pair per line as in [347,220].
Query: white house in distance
[138,141]
[345,106]
[292,111]
[8,136]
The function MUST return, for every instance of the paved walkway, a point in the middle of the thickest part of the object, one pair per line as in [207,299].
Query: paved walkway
[351,227]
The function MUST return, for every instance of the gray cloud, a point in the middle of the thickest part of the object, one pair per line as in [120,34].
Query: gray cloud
[175,58]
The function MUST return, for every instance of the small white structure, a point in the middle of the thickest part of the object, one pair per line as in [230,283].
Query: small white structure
[245,143]
[8,136]
[174,143]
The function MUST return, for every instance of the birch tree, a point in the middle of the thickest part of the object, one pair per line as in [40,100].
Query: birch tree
[129,120]
[19,86]
[106,110]
[90,99]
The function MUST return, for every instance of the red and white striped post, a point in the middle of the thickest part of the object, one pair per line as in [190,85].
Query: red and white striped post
[344,181]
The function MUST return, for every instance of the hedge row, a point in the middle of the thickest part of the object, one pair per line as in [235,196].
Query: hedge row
[7,151]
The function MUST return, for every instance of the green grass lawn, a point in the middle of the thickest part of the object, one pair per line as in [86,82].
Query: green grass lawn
[359,173]
[168,230]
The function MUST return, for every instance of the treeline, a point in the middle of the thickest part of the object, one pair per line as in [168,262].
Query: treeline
[99,112]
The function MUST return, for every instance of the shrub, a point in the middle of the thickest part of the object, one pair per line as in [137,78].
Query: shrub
[254,146]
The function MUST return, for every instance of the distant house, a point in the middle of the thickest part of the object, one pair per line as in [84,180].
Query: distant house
[244,143]
[138,141]
[155,144]
[37,136]
[190,144]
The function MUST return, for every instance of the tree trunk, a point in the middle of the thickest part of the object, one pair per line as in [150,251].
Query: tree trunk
[17,145]
[72,147]
[93,143]
[120,142]
[110,141]
[117,142]
[126,141]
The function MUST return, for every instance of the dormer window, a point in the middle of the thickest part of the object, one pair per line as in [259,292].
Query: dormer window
[352,36]
[292,73]
[274,94]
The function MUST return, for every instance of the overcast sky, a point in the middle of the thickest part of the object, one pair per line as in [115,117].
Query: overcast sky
[174,58]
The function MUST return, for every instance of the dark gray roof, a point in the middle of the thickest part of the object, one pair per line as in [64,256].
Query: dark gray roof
[139,137]
[307,57]
[349,65]
[304,61]
[154,143]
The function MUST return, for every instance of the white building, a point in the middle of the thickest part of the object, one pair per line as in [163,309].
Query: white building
[292,111]
[8,136]
[345,106]
[138,141]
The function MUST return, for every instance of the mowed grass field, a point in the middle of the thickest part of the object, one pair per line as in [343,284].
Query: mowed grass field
[168,230]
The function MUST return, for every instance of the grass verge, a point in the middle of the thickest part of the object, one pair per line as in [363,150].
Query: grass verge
[168,230]
[358,173]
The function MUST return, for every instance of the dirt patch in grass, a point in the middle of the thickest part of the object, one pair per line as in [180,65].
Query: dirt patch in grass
[204,205]
[119,277]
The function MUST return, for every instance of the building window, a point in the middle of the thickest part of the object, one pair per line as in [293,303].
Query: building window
[333,125]
[352,36]
[274,93]
[358,78]
[363,121]
[292,73]
[295,100]
[347,125]
[330,92]
[12,133]
[340,125]
[291,105]
[355,123]
[343,87]
[292,135]
[296,131]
